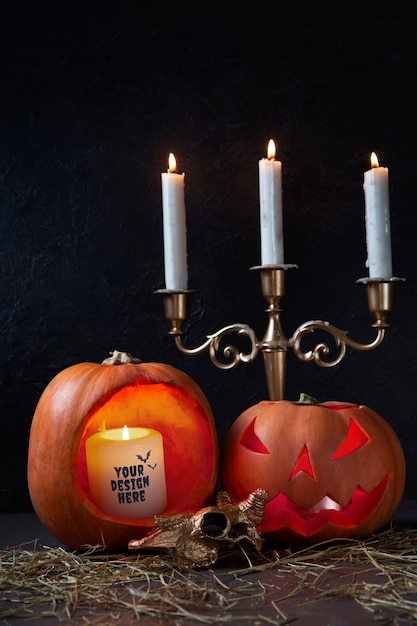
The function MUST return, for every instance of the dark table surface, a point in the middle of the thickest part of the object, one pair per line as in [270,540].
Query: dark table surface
[277,595]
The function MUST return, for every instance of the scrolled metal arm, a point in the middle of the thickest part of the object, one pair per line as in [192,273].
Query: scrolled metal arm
[341,338]
[212,344]
[274,346]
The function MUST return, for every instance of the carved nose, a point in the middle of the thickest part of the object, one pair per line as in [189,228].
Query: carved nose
[303,464]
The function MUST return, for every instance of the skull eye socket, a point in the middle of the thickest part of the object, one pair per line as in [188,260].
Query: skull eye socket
[355,439]
[238,530]
[214,524]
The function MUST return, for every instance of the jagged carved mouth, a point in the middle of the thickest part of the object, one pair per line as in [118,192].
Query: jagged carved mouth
[281,512]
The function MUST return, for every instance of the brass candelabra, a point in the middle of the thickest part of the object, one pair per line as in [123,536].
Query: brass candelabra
[275,345]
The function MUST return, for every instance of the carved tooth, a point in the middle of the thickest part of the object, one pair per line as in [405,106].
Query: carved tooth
[326,504]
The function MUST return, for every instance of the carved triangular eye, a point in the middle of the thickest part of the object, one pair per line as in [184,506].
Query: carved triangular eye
[303,464]
[251,440]
[355,439]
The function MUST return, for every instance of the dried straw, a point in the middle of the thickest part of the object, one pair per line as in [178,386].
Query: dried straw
[379,573]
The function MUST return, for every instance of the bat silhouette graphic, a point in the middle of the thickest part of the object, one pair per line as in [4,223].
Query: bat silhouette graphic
[144,460]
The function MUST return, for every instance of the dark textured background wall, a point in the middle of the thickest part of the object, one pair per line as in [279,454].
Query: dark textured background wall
[93,100]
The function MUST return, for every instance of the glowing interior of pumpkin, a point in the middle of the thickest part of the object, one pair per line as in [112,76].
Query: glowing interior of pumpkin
[281,511]
[177,415]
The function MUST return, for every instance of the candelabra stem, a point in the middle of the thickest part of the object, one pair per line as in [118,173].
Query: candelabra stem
[274,344]
[275,362]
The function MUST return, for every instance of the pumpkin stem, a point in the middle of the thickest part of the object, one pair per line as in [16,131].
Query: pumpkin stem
[306,399]
[120,358]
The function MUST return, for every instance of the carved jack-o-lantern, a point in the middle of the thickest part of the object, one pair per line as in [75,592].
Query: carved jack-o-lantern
[330,470]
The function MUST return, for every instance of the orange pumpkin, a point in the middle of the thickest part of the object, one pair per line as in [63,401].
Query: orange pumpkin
[84,398]
[330,470]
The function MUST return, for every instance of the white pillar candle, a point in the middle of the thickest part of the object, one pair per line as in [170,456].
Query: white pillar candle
[126,472]
[270,198]
[175,243]
[377,217]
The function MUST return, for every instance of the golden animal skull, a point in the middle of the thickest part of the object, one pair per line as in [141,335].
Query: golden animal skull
[195,539]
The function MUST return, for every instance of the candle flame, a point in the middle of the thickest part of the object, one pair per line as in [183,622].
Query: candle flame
[172,163]
[271,149]
[374,160]
[125,433]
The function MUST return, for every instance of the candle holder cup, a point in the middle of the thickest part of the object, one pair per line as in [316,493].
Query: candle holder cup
[176,305]
[274,344]
[380,292]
